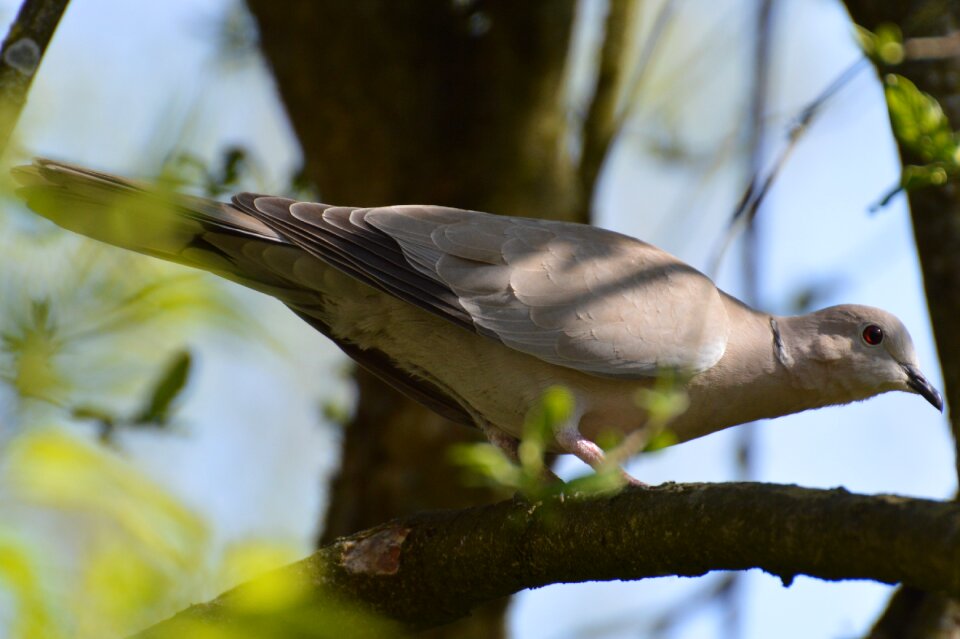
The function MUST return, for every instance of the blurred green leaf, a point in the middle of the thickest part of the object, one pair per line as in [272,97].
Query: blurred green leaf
[603,481]
[167,389]
[33,612]
[156,409]
[133,548]
[33,342]
[551,413]
[135,555]
[336,412]
[249,559]
[884,46]
[51,467]
[486,465]
[660,440]
[664,402]
[919,122]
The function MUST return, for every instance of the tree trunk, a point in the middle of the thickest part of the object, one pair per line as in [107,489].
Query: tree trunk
[935,212]
[436,102]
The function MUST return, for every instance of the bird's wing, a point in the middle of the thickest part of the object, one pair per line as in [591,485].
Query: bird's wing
[568,294]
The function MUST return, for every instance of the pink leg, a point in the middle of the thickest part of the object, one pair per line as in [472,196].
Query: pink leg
[573,442]
[507,443]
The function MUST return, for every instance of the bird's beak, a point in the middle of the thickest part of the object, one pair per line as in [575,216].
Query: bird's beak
[919,384]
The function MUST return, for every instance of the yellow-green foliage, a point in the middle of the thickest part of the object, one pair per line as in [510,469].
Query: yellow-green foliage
[83,323]
[100,550]
[89,546]
[917,119]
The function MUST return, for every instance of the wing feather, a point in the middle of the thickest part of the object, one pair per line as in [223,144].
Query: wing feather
[569,294]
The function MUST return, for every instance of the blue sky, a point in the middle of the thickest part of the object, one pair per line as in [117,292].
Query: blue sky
[123,77]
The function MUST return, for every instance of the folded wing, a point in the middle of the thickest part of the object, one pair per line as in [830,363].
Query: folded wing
[572,295]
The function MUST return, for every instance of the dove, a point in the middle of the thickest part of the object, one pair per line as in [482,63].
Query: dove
[477,315]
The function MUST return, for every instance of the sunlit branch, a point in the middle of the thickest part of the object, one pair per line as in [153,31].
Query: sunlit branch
[20,56]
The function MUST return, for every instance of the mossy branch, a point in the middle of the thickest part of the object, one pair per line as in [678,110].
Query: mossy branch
[430,569]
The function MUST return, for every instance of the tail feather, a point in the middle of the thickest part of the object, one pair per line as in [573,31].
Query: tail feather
[192,231]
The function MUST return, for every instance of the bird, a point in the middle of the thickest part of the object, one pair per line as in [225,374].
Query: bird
[477,315]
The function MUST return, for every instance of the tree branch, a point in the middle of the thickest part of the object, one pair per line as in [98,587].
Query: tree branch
[430,569]
[20,56]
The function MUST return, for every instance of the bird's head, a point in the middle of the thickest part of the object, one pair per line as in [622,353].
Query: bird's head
[865,351]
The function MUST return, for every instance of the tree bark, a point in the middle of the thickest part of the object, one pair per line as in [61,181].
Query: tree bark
[935,213]
[429,569]
[433,102]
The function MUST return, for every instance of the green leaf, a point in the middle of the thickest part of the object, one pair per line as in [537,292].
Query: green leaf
[35,342]
[34,610]
[486,465]
[555,408]
[604,481]
[665,401]
[919,123]
[56,469]
[335,412]
[166,390]
[885,46]
[660,440]
[105,420]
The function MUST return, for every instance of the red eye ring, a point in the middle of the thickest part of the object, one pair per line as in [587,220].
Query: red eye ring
[872,335]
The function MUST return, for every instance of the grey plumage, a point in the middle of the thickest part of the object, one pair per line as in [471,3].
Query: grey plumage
[476,315]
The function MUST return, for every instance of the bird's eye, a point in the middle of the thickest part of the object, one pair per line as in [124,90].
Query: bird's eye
[872,334]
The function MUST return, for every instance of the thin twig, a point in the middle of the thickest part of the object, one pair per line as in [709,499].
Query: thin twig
[600,126]
[760,185]
[758,107]
[731,595]
[20,57]
[650,46]
[933,47]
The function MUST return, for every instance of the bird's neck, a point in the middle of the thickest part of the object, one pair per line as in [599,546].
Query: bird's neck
[757,377]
